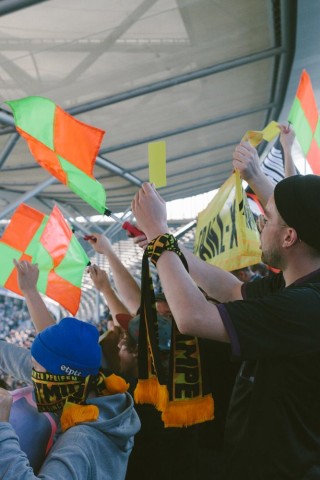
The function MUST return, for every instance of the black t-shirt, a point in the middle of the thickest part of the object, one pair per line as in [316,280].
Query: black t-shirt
[162,453]
[273,425]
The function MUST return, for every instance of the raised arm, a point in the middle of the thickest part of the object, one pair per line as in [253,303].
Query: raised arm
[125,284]
[246,160]
[191,311]
[217,283]
[101,282]
[28,275]
[287,137]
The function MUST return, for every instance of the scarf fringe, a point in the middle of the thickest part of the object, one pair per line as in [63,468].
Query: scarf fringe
[184,413]
[73,414]
[151,391]
[115,384]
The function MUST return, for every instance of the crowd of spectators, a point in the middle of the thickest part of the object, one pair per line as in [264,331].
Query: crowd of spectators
[15,327]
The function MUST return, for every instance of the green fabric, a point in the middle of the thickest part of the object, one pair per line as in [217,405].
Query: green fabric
[33,246]
[301,125]
[73,263]
[317,133]
[45,263]
[294,111]
[35,116]
[89,189]
[7,253]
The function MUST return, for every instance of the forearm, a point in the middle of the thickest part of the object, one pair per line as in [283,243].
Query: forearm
[289,166]
[125,284]
[193,314]
[39,313]
[217,283]
[261,186]
[114,303]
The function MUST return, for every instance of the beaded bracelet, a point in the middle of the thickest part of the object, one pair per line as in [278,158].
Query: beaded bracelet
[160,244]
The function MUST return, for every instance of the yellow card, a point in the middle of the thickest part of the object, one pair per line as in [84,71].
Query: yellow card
[271,131]
[157,163]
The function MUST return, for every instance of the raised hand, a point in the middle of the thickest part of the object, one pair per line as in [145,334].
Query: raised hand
[149,209]
[99,277]
[141,241]
[99,243]
[28,274]
[246,160]
[287,137]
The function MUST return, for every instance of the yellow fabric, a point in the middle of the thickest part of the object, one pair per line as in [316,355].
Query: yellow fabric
[226,234]
[268,133]
[188,412]
[151,391]
[253,136]
[73,414]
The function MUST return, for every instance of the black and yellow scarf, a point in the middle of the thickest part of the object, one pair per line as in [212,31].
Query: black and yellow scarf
[182,400]
[68,393]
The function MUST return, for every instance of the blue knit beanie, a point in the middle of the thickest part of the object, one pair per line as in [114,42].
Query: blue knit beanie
[69,347]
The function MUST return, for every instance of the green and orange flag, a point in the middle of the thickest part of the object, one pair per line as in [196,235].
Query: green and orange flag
[47,240]
[305,120]
[62,145]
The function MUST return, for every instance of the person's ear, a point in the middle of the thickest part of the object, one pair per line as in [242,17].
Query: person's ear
[290,238]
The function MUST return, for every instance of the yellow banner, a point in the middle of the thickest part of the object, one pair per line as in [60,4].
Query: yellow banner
[226,233]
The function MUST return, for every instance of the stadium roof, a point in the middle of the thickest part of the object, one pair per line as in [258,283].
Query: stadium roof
[195,73]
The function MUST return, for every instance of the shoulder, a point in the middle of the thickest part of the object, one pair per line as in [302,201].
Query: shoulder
[263,286]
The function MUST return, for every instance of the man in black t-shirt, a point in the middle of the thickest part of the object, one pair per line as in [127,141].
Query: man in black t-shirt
[273,427]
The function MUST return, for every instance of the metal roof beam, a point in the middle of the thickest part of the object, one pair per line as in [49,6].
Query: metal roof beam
[11,143]
[191,154]
[26,196]
[116,33]
[6,118]
[112,167]
[9,6]
[187,128]
[177,80]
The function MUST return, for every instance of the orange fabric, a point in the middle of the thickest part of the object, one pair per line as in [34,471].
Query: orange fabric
[190,412]
[313,157]
[76,142]
[56,237]
[63,292]
[45,157]
[306,96]
[74,414]
[151,391]
[12,282]
[254,197]
[115,384]
[27,221]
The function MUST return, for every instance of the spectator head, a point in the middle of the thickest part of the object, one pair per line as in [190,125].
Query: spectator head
[131,326]
[297,201]
[69,347]
[162,306]
[244,274]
